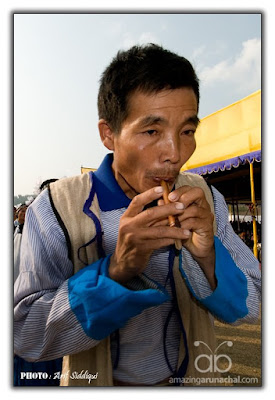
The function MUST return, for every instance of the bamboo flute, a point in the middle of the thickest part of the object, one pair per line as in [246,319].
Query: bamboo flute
[171,218]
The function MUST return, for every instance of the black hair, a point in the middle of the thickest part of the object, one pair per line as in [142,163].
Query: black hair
[149,68]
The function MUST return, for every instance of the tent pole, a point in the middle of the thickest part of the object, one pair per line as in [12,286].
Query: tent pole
[233,209]
[230,211]
[238,217]
[255,249]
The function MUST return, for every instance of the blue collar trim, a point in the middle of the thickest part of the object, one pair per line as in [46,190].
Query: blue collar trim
[109,193]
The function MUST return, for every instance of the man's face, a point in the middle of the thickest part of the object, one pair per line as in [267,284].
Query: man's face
[155,140]
[21,214]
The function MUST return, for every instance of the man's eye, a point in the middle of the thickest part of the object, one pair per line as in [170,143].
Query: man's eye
[189,132]
[151,131]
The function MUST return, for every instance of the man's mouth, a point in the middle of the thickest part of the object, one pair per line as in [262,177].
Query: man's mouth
[158,175]
[168,179]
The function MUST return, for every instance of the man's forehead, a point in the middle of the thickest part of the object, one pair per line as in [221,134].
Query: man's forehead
[165,98]
[152,119]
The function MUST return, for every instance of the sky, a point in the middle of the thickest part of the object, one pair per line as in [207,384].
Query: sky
[59,58]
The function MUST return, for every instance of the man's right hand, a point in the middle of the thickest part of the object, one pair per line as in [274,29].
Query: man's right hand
[141,232]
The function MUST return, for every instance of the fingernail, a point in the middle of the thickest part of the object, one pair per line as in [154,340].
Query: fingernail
[179,206]
[159,189]
[172,196]
[186,232]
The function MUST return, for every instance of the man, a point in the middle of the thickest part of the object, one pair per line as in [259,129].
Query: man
[14,218]
[101,283]
[17,237]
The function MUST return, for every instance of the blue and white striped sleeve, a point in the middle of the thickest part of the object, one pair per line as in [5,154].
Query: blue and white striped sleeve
[56,312]
[45,327]
[237,296]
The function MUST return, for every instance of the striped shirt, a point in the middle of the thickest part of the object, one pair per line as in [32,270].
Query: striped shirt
[46,327]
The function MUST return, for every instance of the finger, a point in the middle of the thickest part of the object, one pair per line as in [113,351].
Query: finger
[155,244]
[197,225]
[189,195]
[142,199]
[193,211]
[176,194]
[163,222]
[151,215]
[160,233]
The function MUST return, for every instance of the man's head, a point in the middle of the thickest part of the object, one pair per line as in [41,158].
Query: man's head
[148,105]
[21,212]
[147,69]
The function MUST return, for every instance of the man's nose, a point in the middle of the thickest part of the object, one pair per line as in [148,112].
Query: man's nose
[170,149]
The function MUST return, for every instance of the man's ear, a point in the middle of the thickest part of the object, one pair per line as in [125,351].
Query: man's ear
[106,134]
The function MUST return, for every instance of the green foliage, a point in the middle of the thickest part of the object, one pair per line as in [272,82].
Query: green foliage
[20,199]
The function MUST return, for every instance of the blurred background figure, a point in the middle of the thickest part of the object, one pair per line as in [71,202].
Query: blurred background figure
[14,218]
[17,237]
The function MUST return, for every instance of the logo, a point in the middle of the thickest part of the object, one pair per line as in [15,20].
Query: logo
[213,358]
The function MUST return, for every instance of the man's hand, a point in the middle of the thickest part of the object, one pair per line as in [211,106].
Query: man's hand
[141,232]
[196,221]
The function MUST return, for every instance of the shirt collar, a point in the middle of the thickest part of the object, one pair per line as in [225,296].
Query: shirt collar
[109,193]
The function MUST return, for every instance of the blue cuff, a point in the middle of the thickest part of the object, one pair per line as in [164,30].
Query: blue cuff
[228,300]
[102,305]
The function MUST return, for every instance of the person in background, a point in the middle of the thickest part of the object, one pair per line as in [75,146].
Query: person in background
[14,218]
[17,237]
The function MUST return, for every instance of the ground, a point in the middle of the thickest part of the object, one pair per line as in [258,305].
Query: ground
[245,353]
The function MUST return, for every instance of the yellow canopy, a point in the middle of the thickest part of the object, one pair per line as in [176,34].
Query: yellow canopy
[87,169]
[228,133]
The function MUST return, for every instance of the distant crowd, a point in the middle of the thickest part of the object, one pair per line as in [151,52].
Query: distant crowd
[245,231]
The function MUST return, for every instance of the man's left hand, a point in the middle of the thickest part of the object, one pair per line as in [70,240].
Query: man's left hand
[197,219]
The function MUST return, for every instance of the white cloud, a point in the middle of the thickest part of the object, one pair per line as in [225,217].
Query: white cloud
[244,70]
[197,52]
[148,37]
[164,26]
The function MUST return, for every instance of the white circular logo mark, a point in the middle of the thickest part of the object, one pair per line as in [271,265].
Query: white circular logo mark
[213,358]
